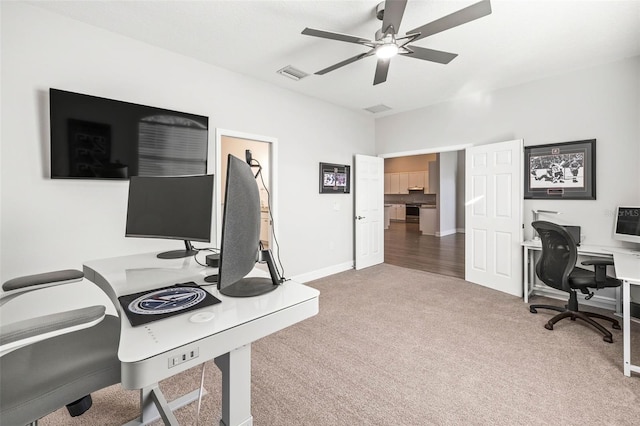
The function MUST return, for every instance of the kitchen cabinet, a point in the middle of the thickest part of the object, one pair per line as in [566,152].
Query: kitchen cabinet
[387,215]
[426,182]
[394,183]
[416,179]
[428,220]
[404,183]
[399,183]
[398,212]
[264,227]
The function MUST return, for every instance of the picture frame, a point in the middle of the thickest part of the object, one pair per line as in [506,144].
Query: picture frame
[561,171]
[335,178]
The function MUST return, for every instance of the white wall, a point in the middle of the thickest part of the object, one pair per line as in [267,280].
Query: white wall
[447,211]
[460,189]
[601,103]
[48,224]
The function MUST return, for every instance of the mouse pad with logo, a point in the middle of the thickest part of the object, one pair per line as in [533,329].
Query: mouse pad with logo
[147,306]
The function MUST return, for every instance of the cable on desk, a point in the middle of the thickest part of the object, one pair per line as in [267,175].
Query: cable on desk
[211,249]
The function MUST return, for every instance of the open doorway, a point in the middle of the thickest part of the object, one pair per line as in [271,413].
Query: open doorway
[424,223]
[263,153]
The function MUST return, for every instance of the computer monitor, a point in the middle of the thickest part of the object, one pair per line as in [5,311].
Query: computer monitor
[240,244]
[627,224]
[177,208]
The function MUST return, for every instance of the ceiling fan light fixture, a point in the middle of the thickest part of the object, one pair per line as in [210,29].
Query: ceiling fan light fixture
[387,50]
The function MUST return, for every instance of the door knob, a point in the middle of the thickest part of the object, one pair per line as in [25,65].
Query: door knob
[359,217]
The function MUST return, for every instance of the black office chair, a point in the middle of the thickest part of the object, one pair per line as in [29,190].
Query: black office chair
[54,360]
[556,268]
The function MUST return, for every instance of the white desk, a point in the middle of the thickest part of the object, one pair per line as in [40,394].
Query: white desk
[627,265]
[147,351]
[530,247]
[628,270]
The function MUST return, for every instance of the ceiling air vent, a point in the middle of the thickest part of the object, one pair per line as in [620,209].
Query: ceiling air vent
[378,108]
[292,73]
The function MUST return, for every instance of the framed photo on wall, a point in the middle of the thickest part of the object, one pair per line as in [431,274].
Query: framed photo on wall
[563,171]
[335,178]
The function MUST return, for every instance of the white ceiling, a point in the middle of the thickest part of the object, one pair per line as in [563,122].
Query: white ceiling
[519,42]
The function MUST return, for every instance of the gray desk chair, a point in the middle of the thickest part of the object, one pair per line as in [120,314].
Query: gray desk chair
[54,360]
[556,267]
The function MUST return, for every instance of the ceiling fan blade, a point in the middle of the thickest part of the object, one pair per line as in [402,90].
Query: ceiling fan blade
[468,14]
[429,54]
[382,69]
[393,11]
[345,62]
[335,36]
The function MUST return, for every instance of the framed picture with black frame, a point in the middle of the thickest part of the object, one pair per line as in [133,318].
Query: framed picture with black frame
[335,178]
[560,171]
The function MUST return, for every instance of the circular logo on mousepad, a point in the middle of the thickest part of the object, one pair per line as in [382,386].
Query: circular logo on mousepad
[167,300]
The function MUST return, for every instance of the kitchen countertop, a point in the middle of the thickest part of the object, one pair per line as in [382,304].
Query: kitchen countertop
[428,206]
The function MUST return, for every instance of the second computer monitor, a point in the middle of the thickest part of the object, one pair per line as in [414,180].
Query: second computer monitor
[240,242]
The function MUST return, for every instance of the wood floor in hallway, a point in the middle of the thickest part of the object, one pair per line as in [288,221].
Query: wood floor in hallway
[405,246]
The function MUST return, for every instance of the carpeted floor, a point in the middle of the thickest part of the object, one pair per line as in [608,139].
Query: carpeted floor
[394,346]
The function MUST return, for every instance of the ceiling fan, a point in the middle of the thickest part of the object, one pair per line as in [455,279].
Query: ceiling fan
[386,44]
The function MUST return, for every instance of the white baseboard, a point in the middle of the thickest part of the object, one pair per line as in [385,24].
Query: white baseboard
[324,272]
[445,233]
[460,230]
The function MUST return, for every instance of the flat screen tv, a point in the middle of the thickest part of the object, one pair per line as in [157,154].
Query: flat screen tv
[177,208]
[627,224]
[240,245]
[99,138]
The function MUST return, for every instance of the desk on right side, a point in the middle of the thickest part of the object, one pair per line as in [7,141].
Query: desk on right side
[627,266]
[628,270]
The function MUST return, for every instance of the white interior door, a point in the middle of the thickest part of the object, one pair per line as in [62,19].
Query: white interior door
[493,216]
[369,211]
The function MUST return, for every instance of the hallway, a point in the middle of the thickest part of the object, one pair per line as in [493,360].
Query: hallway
[405,246]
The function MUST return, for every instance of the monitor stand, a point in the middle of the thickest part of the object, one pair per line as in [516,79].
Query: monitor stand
[255,286]
[178,254]
[249,286]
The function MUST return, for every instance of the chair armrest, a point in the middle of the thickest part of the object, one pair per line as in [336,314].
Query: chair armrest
[20,285]
[26,332]
[599,270]
[597,262]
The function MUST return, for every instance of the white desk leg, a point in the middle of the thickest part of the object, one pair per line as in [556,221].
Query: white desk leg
[153,406]
[525,278]
[626,326]
[236,387]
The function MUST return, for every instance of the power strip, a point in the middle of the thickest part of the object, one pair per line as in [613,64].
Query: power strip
[187,356]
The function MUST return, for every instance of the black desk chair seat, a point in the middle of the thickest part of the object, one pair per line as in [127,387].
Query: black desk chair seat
[556,268]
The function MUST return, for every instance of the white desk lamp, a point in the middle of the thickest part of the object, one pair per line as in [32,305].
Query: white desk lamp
[536,237]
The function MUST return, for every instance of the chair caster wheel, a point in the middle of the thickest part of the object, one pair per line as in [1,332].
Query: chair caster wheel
[533,310]
[616,326]
[548,326]
[608,339]
[77,408]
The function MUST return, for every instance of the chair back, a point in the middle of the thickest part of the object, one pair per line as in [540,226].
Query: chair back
[559,255]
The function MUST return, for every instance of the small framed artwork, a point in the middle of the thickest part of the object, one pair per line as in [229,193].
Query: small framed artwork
[563,171]
[335,178]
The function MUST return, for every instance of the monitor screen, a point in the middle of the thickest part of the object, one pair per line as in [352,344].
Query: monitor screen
[171,207]
[627,224]
[240,244]
[98,138]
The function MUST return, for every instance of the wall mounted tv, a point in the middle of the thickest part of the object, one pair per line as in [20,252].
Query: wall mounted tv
[99,138]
